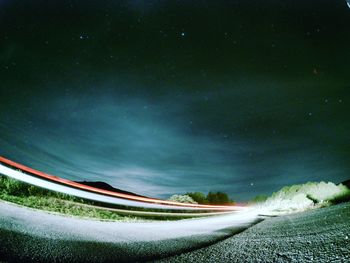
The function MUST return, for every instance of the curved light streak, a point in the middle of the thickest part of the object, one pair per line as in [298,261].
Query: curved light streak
[62,185]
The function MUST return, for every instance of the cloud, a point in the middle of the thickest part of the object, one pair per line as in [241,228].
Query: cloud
[171,145]
[131,144]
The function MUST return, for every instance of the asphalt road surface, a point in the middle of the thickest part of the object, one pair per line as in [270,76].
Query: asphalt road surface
[28,235]
[321,235]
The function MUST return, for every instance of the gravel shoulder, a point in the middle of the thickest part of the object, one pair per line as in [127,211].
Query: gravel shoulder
[321,235]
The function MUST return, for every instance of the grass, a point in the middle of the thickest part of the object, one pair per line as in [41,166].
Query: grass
[21,193]
[311,195]
[316,192]
[15,191]
[341,198]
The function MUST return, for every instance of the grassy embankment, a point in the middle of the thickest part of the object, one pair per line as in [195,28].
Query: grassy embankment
[14,191]
[302,197]
[21,193]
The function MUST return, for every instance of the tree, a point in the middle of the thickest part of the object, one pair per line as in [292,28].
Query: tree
[182,199]
[218,198]
[199,197]
[214,198]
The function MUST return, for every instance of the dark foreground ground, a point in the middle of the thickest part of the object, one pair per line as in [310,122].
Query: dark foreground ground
[28,235]
[321,235]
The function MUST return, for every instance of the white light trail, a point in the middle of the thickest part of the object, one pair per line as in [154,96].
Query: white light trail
[83,194]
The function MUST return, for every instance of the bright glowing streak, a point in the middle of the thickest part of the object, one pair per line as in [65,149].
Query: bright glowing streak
[100,195]
[157,214]
[76,192]
[71,184]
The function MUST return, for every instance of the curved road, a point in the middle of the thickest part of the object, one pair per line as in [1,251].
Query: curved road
[320,235]
[29,235]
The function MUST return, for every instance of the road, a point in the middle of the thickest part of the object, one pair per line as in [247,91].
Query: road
[30,235]
[321,235]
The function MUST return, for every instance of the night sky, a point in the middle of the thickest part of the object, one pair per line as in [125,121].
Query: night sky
[164,97]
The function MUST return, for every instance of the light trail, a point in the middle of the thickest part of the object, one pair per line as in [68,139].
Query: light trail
[153,214]
[54,183]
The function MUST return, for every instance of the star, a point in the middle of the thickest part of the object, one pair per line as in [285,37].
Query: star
[82,36]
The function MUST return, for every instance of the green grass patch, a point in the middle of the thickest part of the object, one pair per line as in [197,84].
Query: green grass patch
[341,198]
[15,191]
